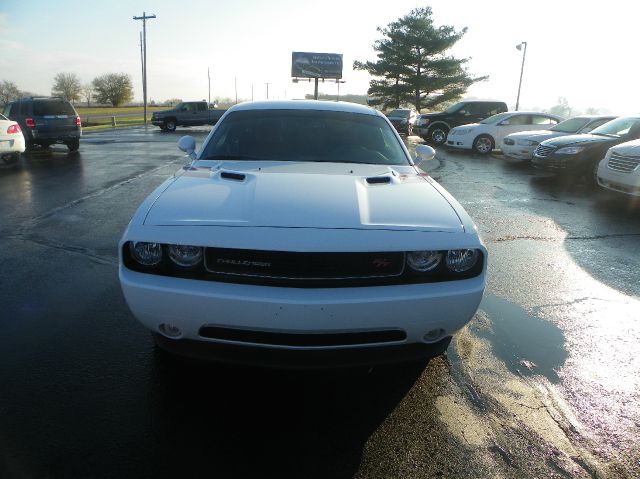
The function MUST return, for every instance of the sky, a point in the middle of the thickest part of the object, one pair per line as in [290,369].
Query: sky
[585,51]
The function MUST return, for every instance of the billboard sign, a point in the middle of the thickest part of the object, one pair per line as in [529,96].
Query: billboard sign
[316,65]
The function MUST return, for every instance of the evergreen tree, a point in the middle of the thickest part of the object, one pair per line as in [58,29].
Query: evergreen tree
[413,67]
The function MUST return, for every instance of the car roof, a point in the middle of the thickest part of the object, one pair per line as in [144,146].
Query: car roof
[306,105]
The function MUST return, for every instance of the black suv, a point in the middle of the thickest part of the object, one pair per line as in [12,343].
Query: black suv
[45,121]
[434,127]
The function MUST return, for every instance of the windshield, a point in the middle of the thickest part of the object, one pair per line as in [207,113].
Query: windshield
[571,125]
[399,113]
[618,127]
[495,118]
[305,135]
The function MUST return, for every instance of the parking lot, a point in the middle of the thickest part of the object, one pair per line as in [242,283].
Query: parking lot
[544,382]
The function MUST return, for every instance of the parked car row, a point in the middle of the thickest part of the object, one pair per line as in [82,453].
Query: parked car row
[601,148]
[484,136]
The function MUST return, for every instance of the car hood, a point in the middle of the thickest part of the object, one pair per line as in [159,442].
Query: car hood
[585,139]
[630,148]
[537,135]
[303,195]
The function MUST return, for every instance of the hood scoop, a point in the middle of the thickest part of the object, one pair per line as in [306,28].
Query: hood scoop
[378,180]
[229,175]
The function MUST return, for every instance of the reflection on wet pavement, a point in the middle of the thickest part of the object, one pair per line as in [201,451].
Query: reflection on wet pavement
[527,344]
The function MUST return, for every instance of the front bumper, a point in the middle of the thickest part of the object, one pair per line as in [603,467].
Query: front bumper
[518,152]
[556,163]
[626,183]
[196,306]
[301,359]
[459,141]
[157,121]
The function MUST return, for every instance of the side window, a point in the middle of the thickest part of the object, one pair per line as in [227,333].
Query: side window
[490,109]
[519,120]
[187,107]
[543,120]
[202,107]
[6,111]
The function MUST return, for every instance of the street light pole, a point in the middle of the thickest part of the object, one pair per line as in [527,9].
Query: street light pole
[209,78]
[524,54]
[144,19]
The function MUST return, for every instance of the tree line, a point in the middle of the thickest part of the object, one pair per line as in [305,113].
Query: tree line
[111,88]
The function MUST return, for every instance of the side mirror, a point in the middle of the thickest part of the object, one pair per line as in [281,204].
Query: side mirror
[188,145]
[504,123]
[424,153]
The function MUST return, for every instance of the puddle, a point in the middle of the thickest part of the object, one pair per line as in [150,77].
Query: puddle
[527,344]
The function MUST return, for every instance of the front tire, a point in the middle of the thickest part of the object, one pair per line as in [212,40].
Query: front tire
[170,125]
[438,135]
[483,145]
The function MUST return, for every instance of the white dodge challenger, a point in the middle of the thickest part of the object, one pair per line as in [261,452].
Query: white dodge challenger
[302,234]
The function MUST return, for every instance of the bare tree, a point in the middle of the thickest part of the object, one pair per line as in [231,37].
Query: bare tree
[87,93]
[67,85]
[8,92]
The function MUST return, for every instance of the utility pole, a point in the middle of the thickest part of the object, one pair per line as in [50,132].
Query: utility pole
[267,89]
[209,77]
[144,19]
[524,54]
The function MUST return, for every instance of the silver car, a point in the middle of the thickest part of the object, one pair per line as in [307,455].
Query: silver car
[521,145]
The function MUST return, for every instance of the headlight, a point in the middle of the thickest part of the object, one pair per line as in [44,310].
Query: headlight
[570,150]
[185,256]
[461,260]
[423,261]
[147,254]
[527,143]
[422,121]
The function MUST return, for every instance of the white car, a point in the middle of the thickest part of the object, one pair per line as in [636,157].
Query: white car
[620,169]
[302,234]
[521,146]
[485,136]
[11,141]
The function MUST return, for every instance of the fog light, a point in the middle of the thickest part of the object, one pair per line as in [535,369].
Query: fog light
[434,335]
[170,330]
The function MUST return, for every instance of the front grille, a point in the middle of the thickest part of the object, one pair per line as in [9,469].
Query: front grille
[624,164]
[303,266]
[274,338]
[543,151]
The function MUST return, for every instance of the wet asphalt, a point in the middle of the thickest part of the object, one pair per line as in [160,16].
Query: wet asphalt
[544,382]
